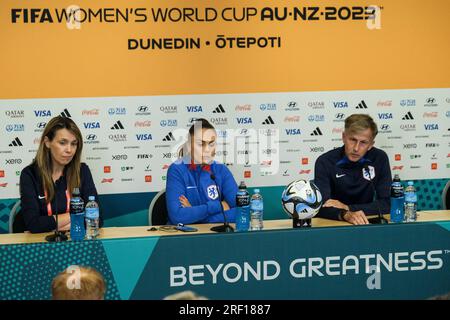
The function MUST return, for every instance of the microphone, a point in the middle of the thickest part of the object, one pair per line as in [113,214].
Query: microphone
[380,219]
[225,227]
[58,236]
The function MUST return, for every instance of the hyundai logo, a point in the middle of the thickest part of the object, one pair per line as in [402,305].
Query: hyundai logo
[91,137]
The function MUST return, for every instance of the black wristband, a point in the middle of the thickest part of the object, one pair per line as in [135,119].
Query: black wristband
[341,214]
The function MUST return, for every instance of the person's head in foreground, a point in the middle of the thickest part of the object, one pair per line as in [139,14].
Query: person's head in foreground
[78,283]
[185,295]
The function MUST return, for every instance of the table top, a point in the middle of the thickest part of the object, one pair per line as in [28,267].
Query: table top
[142,231]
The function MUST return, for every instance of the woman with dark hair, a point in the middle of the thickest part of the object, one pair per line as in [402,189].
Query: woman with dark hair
[197,186]
[46,185]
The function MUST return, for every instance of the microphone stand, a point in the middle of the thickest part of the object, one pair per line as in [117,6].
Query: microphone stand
[58,236]
[225,227]
[380,219]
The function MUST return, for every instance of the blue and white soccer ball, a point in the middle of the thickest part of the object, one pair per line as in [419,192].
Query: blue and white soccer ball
[301,199]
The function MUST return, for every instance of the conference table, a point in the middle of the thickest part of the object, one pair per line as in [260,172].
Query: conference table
[330,260]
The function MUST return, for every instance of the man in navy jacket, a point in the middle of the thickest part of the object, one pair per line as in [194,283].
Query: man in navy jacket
[348,176]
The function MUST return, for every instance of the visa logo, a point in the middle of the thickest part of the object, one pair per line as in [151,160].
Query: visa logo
[92,125]
[432,126]
[42,113]
[385,116]
[244,120]
[194,108]
[144,137]
[292,132]
[340,104]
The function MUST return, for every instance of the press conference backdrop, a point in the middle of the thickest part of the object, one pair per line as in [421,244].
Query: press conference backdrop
[277,80]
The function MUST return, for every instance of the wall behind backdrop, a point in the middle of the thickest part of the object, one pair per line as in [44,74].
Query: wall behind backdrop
[276,78]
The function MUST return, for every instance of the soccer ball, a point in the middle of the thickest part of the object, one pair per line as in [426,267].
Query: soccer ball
[301,199]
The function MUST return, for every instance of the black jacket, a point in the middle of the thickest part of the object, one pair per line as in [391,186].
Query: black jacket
[33,205]
[343,180]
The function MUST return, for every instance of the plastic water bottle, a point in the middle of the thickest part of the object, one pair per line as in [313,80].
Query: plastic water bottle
[92,218]
[410,203]
[256,211]
[243,208]
[77,229]
[397,200]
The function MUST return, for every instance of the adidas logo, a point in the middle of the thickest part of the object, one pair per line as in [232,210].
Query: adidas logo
[16,143]
[65,114]
[317,132]
[169,137]
[361,105]
[269,120]
[408,116]
[219,109]
[118,125]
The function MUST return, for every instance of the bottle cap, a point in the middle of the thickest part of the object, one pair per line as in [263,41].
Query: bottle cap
[76,191]
[410,183]
[242,185]
[256,190]
[91,198]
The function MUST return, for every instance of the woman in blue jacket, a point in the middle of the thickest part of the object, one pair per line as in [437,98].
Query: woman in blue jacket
[197,186]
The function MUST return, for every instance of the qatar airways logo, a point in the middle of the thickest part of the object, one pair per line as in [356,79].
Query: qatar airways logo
[316,104]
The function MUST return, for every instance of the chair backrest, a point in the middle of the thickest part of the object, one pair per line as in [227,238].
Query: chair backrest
[157,212]
[16,223]
[446,196]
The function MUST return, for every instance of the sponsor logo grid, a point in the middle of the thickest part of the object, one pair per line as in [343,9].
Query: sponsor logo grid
[261,137]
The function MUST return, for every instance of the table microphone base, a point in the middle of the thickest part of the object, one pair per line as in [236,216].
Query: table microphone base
[223,228]
[378,220]
[58,236]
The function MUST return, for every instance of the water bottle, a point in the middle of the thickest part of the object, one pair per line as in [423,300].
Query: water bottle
[77,230]
[397,200]
[256,211]
[92,218]
[410,203]
[243,208]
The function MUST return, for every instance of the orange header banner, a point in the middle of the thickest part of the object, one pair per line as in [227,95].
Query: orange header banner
[55,49]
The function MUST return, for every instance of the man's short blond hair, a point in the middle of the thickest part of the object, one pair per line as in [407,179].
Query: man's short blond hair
[360,122]
[78,283]
[185,295]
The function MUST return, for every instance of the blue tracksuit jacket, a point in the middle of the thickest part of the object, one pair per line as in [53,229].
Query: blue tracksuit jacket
[198,187]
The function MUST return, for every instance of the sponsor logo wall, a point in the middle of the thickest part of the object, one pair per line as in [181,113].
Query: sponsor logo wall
[266,139]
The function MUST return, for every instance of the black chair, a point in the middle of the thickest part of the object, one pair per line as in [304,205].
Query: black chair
[446,196]
[16,221]
[157,212]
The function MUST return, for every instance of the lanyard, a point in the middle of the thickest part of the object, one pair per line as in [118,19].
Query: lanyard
[49,205]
